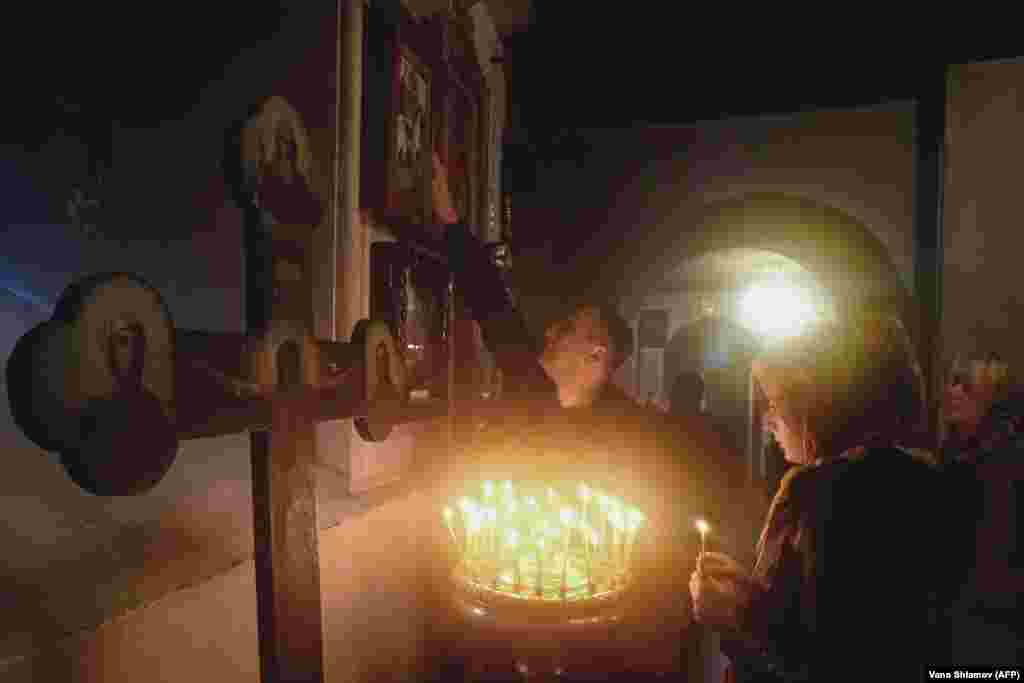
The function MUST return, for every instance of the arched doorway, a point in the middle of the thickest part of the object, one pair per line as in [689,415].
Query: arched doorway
[725,307]
[841,252]
[750,235]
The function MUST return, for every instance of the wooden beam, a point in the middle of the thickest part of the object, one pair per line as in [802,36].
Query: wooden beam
[209,372]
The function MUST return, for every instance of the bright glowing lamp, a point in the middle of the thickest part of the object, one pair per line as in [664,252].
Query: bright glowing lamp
[777,309]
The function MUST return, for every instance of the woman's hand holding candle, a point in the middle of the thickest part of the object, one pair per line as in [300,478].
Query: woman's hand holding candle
[703,528]
[720,587]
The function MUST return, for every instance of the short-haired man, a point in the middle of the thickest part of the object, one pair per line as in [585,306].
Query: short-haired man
[579,353]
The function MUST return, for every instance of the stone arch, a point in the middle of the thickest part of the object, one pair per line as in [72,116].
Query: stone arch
[843,254]
[840,252]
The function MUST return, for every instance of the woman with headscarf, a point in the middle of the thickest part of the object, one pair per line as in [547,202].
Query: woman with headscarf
[842,583]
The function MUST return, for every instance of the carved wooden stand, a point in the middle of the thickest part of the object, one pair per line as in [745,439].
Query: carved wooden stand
[111,386]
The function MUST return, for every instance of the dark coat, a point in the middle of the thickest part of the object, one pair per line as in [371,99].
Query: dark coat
[849,562]
[985,476]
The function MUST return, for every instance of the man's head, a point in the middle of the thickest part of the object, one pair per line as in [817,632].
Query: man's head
[584,349]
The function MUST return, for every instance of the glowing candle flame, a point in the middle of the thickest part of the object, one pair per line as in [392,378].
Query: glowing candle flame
[584,492]
[703,528]
[617,519]
[570,546]
[634,519]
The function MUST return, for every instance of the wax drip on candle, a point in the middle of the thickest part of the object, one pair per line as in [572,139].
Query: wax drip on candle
[540,567]
[634,518]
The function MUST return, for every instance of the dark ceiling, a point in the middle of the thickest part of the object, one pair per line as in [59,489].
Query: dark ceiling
[141,64]
[135,63]
[621,65]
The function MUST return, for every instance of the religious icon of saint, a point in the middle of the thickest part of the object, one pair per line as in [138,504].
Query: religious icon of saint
[278,160]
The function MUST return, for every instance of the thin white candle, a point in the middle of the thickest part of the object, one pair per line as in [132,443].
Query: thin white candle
[512,542]
[593,539]
[568,518]
[540,567]
[634,519]
[448,513]
[703,528]
[492,530]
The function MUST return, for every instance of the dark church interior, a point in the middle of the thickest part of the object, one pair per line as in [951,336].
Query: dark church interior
[502,340]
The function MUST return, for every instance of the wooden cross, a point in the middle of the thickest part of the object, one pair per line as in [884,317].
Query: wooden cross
[111,386]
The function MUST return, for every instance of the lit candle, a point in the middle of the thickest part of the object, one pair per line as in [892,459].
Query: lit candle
[633,522]
[593,538]
[512,542]
[568,518]
[584,493]
[466,508]
[488,535]
[621,534]
[703,528]
[492,514]
[448,513]
[540,567]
